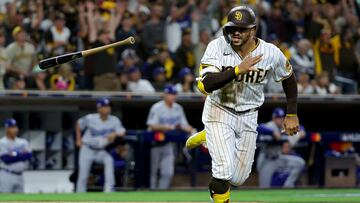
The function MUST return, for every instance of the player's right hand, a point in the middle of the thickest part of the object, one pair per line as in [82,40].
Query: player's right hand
[247,64]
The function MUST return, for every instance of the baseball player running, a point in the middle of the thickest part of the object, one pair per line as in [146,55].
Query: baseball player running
[100,129]
[14,153]
[233,73]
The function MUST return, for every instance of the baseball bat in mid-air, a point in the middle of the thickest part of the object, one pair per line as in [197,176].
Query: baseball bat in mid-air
[58,60]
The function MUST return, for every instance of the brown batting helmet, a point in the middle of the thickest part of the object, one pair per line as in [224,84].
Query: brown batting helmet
[240,16]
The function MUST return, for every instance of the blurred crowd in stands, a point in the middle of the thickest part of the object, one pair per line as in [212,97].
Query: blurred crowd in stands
[320,38]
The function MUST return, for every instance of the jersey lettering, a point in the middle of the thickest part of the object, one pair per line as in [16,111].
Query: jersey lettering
[101,132]
[170,120]
[250,77]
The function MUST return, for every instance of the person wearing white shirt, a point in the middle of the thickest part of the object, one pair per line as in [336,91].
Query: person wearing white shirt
[136,83]
[60,34]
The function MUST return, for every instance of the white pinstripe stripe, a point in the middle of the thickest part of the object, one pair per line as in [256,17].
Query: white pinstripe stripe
[242,155]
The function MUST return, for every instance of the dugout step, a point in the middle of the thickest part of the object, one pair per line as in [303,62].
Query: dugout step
[340,171]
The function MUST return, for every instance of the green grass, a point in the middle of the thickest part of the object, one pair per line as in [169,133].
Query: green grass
[281,195]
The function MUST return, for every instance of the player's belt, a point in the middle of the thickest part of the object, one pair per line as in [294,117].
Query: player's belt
[240,112]
[10,171]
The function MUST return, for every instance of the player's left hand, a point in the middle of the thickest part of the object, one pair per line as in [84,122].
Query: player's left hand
[291,125]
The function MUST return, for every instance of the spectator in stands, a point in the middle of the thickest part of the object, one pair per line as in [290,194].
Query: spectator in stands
[60,35]
[302,58]
[159,58]
[199,50]
[21,55]
[159,79]
[180,18]
[85,70]
[278,23]
[48,16]
[324,86]
[304,84]
[14,15]
[136,83]
[154,30]
[348,70]
[123,80]
[21,59]
[64,79]
[16,82]
[143,14]
[165,116]
[173,29]
[186,79]
[272,158]
[14,154]
[262,9]
[205,9]
[3,58]
[129,60]
[104,63]
[274,39]
[126,29]
[324,52]
[185,53]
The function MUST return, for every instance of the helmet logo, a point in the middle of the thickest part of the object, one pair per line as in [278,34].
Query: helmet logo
[238,15]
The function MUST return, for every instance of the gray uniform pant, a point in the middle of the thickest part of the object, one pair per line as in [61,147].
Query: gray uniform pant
[86,158]
[162,158]
[267,167]
[11,183]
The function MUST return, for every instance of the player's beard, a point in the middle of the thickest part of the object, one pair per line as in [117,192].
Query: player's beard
[240,40]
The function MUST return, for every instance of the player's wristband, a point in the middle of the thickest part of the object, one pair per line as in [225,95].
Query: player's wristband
[291,115]
[236,70]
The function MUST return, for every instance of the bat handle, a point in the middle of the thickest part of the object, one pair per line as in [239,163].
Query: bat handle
[58,60]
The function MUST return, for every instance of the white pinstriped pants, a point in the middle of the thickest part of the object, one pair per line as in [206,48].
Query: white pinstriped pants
[231,140]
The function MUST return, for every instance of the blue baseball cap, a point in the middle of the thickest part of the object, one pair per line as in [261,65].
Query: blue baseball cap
[133,70]
[10,122]
[184,71]
[170,89]
[278,113]
[102,102]
[128,53]
[158,70]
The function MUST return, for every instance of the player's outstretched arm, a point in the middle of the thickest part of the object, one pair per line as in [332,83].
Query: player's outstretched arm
[213,81]
[291,122]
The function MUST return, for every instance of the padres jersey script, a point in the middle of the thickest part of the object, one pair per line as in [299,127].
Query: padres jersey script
[95,127]
[160,113]
[18,146]
[245,92]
